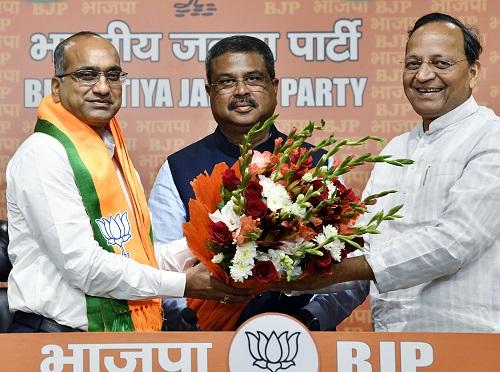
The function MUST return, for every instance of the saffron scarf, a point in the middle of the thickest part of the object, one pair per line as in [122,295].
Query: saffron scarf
[116,227]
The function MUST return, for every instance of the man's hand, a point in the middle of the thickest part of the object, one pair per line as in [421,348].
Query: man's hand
[353,268]
[312,282]
[201,284]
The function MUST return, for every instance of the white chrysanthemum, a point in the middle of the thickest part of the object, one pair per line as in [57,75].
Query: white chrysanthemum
[276,195]
[335,248]
[227,215]
[245,253]
[331,188]
[240,271]
[243,261]
[218,258]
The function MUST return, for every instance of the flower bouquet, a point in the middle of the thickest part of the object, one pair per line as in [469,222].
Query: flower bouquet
[277,216]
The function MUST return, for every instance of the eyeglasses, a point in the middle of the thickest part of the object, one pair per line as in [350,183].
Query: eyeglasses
[90,77]
[254,83]
[436,64]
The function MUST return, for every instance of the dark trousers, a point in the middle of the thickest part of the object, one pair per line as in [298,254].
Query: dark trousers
[276,302]
[34,323]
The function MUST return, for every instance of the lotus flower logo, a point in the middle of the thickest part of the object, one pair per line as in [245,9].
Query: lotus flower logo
[273,353]
[116,230]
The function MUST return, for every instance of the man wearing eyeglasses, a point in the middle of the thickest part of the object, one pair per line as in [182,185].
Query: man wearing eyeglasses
[436,269]
[80,231]
[243,88]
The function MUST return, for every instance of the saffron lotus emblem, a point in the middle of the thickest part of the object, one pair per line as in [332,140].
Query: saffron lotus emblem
[116,230]
[273,353]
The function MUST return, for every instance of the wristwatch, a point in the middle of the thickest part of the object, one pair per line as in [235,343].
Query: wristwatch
[308,319]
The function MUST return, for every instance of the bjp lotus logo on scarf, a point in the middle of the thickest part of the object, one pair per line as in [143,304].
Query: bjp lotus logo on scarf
[116,230]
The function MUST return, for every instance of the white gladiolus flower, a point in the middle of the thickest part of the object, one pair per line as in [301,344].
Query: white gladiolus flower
[329,231]
[296,272]
[323,169]
[335,248]
[292,247]
[218,258]
[298,210]
[320,238]
[227,215]
[275,257]
[308,177]
[262,256]
[331,188]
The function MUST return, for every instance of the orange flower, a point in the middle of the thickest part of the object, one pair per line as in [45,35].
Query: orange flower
[260,161]
[284,169]
[305,232]
[346,229]
[316,220]
[248,225]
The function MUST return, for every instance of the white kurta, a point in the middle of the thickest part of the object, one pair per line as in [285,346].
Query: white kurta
[438,268]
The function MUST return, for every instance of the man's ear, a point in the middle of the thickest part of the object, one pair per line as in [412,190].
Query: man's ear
[55,86]
[276,82]
[208,88]
[474,72]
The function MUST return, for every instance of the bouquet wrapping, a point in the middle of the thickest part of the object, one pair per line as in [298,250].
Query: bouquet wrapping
[277,216]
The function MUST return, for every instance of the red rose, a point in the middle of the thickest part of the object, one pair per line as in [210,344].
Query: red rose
[230,180]
[265,272]
[255,207]
[253,189]
[319,264]
[219,233]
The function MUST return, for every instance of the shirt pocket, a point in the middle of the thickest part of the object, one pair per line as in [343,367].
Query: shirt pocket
[436,181]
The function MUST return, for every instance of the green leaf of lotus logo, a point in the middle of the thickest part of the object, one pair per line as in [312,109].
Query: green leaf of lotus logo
[116,230]
[273,353]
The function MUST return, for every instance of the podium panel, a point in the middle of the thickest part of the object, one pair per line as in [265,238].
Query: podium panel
[218,352]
